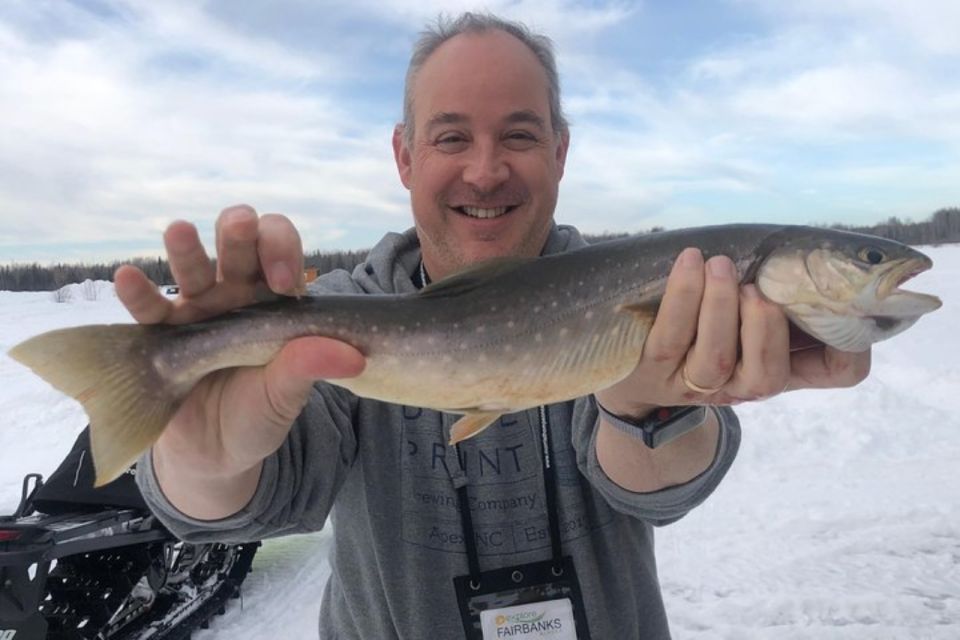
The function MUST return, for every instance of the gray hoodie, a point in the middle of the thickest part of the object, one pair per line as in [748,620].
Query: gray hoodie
[385,478]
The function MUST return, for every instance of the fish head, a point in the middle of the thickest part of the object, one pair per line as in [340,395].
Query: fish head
[844,288]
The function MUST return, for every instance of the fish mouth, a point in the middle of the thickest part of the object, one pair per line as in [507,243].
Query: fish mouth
[899,273]
[484,213]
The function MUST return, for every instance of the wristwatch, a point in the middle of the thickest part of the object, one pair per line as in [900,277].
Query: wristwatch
[660,426]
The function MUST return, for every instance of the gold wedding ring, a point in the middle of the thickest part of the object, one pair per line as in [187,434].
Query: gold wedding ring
[693,386]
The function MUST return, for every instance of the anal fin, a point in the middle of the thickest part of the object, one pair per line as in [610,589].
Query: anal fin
[472,424]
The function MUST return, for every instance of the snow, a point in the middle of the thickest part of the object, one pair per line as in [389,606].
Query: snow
[840,518]
[90,290]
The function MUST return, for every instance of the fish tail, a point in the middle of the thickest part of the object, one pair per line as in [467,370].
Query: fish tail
[108,369]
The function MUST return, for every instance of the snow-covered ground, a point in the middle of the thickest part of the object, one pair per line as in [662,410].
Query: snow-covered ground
[840,519]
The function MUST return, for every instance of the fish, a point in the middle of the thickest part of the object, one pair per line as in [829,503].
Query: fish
[498,337]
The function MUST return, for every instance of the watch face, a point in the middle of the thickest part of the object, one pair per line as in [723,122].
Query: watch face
[680,422]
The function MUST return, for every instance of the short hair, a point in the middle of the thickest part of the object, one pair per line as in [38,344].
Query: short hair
[444,28]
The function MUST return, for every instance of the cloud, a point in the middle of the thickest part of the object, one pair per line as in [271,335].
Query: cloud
[865,97]
[127,118]
[764,120]
[826,70]
[929,26]
[100,139]
[120,116]
[560,19]
[176,26]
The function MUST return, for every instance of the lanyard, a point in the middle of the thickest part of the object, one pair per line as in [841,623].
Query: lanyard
[550,489]
[549,486]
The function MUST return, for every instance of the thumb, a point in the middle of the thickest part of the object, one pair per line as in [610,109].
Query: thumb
[292,373]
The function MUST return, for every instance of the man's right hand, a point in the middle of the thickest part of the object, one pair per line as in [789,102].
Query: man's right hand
[209,457]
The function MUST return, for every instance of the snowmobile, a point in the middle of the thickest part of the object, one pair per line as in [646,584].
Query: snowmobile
[79,563]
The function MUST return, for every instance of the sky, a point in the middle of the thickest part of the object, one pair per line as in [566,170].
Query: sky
[119,116]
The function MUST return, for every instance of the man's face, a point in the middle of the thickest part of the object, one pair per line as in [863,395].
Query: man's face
[484,166]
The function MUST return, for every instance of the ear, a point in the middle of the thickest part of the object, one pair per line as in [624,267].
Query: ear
[401,155]
[561,157]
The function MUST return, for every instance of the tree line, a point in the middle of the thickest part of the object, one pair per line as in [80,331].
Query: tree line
[36,277]
[942,227]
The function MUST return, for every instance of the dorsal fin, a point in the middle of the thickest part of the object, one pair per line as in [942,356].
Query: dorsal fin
[472,277]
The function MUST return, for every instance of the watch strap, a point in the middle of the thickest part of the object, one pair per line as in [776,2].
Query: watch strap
[660,426]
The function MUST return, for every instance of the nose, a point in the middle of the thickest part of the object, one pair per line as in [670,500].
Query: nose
[486,168]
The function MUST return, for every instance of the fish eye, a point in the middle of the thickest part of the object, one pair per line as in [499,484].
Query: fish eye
[872,255]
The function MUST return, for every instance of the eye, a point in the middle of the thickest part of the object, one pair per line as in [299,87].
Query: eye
[451,142]
[519,140]
[872,255]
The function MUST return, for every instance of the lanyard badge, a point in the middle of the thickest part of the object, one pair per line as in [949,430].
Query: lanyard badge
[528,601]
[536,600]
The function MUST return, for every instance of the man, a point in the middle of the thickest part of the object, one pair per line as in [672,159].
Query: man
[553,505]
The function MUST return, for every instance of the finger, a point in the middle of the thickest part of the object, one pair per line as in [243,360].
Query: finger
[256,406]
[799,340]
[237,231]
[711,361]
[764,367]
[319,358]
[140,296]
[826,367]
[281,254]
[302,362]
[676,322]
[189,263]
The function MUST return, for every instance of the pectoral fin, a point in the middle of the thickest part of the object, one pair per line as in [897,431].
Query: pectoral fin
[471,424]
[645,307]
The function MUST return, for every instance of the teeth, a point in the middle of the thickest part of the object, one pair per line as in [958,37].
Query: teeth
[477,212]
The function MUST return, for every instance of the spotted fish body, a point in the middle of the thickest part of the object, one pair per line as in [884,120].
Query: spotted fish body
[497,338]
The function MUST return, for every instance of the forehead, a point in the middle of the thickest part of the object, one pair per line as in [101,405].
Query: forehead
[481,75]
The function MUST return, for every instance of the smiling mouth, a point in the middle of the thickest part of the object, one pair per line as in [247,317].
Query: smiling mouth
[484,213]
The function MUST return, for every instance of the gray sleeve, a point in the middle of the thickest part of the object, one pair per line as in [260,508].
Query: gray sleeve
[297,486]
[659,507]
